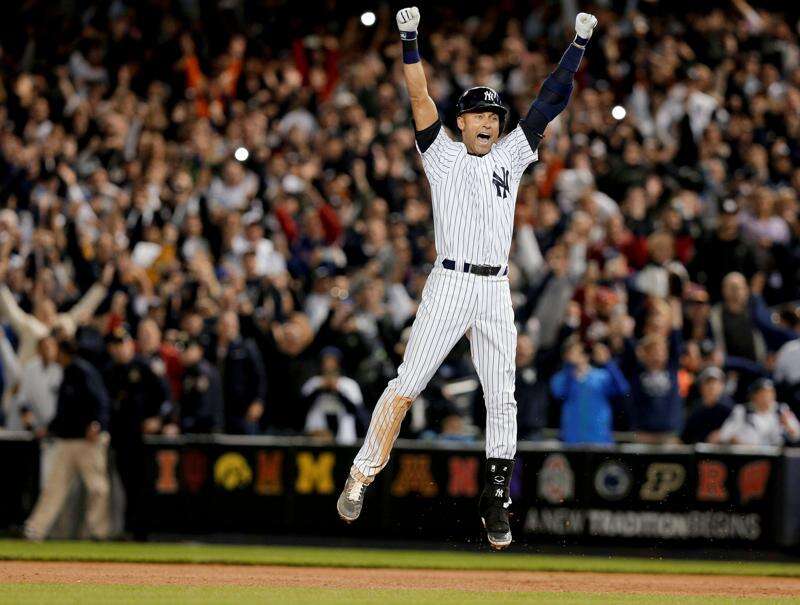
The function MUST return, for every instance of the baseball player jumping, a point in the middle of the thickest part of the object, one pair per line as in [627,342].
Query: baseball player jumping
[474,188]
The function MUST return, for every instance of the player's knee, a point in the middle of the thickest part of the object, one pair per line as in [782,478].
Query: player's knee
[404,402]
[405,390]
[98,489]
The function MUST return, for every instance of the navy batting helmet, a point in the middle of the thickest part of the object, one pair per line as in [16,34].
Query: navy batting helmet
[482,98]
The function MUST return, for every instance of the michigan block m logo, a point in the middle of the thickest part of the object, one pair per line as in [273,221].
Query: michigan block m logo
[501,182]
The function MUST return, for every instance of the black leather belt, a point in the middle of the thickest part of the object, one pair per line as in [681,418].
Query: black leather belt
[484,270]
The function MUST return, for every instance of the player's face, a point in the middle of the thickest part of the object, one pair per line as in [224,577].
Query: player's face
[479,131]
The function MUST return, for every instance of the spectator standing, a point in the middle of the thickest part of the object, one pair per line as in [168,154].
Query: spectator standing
[336,405]
[80,429]
[162,357]
[732,323]
[140,405]
[742,325]
[766,422]
[712,409]
[33,405]
[244,382]
[587,393]
[657,406]
[201,408]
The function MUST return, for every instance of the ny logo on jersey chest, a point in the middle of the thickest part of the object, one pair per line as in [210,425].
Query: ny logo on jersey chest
[500,182]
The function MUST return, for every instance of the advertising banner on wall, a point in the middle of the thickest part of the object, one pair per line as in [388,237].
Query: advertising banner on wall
[681,496]
[629,494]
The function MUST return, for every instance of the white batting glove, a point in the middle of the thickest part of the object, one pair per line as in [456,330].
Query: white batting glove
[408,21]
[584,25]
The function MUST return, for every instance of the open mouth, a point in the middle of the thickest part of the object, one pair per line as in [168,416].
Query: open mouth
[484,137]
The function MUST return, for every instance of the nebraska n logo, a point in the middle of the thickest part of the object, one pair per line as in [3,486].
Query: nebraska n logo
[501,182]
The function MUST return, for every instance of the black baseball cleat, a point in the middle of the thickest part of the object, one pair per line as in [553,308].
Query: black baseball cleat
[494,502]
[495,522]
[351,499]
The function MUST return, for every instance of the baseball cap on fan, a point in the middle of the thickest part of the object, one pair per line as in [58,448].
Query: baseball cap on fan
[482,98]
[711,373]
[760,384]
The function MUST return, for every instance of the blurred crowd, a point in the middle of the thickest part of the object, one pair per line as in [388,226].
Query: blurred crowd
[214,219]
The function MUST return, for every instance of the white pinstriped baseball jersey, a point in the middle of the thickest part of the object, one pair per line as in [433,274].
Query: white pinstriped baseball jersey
[473,209]
[474,196]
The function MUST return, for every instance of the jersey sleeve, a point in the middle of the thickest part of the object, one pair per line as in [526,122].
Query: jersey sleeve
[517,146]
[438,151]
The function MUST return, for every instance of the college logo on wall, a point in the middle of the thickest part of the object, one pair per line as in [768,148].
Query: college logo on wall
[194,465]
[753,478]
[315,473]
[711,478]
[612,480]
[663,478]
[231,471]
[556,481]
[414,476]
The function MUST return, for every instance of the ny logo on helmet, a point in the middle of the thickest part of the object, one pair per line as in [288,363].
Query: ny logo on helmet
[500,181]
[489,95]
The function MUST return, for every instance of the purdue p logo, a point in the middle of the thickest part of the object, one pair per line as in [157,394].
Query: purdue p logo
[662,479]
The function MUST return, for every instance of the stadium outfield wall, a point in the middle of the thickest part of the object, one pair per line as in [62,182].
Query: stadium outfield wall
[631,494]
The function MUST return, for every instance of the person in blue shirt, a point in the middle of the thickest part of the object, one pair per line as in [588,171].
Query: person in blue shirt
[587,392]
[657,408]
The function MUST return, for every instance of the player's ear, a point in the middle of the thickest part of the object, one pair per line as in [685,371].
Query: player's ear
[460,122]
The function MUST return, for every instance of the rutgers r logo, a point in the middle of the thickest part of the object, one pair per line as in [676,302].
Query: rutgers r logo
[501,182]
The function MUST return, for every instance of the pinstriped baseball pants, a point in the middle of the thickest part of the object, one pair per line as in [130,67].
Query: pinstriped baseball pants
[453,303]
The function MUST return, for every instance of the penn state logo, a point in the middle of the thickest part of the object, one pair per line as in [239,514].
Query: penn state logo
[612,481]
[500,182]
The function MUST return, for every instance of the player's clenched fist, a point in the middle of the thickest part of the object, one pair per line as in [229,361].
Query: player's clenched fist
[585,24]
[408,20]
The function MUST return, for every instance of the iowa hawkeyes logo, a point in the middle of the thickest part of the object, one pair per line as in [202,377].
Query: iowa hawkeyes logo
[231,471]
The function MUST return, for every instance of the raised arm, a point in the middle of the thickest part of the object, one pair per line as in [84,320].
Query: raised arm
[557,87]
[422,106]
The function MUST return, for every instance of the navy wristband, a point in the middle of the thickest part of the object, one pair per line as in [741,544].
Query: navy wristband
[582,42]
[410,50]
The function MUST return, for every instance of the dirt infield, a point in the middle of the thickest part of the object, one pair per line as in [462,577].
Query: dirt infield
[322,577]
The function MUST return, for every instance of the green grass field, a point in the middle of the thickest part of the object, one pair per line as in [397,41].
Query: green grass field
[374,558]
[43,592]
[236,595]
